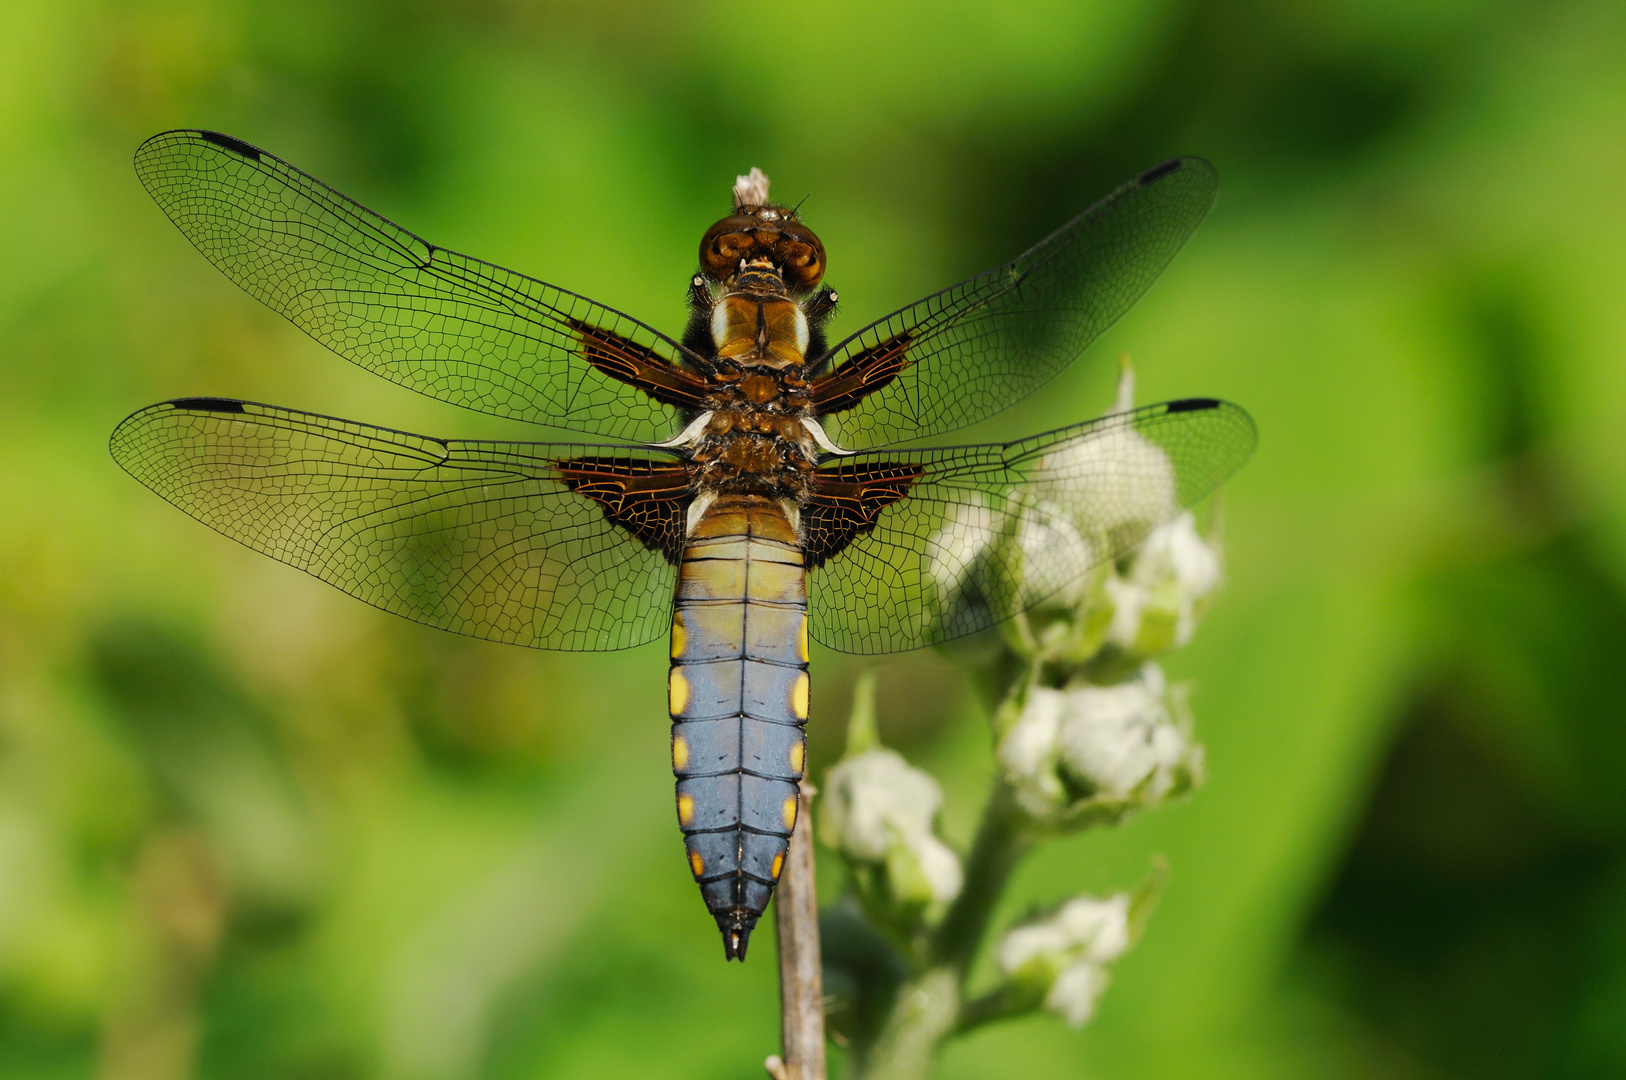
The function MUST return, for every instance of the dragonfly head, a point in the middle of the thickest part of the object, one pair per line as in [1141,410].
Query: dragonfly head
[760,239]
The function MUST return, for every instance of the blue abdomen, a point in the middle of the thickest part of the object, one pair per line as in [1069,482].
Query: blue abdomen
[739,694]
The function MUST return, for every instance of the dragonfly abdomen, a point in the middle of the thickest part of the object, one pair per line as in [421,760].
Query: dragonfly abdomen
[738,695]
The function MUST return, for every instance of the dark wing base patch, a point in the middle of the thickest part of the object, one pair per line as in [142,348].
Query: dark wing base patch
[845,502]
[648,501]
[634,364]
[866,372]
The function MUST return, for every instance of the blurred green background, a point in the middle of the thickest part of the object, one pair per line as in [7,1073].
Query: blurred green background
[252,828]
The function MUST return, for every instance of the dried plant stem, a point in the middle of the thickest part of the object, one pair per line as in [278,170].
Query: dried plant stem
[801,976]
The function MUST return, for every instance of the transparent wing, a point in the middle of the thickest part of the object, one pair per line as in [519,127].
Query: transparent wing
[482,538]
[452,327]
[983,532]
[965,353]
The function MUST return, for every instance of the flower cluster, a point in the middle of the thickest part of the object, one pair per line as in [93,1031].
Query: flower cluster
[1023,553]
[1156,603]
[1097,727]
[1063,959]
[878,812]
[1128,744]
[1092,571]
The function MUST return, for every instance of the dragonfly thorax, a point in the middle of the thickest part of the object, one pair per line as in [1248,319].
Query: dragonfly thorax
[771,330]
[754,451]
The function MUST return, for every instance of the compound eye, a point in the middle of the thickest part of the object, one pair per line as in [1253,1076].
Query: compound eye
[801,254]
[733,246]
[798,260]
[720,255]
[801,262]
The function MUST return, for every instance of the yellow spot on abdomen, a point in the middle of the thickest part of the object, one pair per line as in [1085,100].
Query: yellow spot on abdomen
[696,863]
[686,811]
[680,753]
[677,691]
[680,636]
[801,640]
[796,749]
[778,865]
[788,812]
[798,697]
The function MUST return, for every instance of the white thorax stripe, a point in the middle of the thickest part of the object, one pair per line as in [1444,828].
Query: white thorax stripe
[690,433]
[793,514]
[697,510]
[815,430]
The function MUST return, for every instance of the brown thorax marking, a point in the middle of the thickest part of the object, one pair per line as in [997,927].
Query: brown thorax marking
[757,386]
[758,394]
[754,451]
[761,327]
[759,389]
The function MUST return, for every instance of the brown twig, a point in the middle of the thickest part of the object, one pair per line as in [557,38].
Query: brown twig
[801,977]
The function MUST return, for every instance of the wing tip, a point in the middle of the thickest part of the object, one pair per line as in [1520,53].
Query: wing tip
[226,142]
[118,443]
[1234,414]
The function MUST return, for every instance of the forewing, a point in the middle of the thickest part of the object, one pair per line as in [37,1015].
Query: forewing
[984,532]
[965,353]
[446,325]
[486,539]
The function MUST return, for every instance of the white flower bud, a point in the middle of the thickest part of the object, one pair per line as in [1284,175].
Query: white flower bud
[1114,480]
[1027,556]
[924,871]
[1066,955]
[967,531]
[875,797]
[1103,925]
[1028,752]
[1084,928]
[1118,742]
[1053,552]
[879,809]
[1121,740]
[1157,603]
[1074,993]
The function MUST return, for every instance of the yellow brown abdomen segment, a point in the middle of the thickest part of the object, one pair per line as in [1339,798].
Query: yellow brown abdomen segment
[739,700]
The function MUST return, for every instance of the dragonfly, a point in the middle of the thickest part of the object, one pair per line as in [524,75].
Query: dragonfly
[756,483]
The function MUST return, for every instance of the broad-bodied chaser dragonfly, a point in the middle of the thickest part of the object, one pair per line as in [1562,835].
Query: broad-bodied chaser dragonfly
[753,499]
